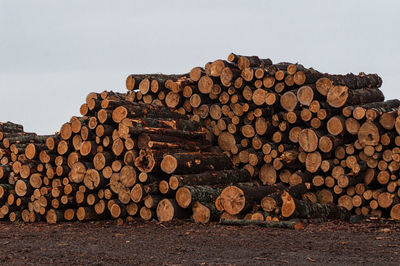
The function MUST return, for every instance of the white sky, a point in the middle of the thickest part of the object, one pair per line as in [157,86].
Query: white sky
[53,53]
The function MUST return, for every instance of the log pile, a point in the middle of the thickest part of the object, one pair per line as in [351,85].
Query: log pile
[116,160]
[287,124]
[241,138]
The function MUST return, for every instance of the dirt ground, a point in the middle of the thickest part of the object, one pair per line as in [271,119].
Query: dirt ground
[106,243]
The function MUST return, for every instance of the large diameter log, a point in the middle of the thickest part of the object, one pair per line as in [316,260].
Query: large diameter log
[210,178]
[93,179]
[368,134]
[167,209]
[204,212]
[234,199]
[132,110]
[54,216]
[177,124]
[353,81]
[194,162]
[293,208]
[147,161]
[340,96]
[87,214]
[188,194]
[153,141]
[137,129]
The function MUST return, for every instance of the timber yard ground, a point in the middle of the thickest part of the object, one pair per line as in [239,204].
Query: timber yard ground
[178,242]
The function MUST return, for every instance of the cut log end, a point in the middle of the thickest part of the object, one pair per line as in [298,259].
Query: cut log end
[337,96]
[288,205]
[165,210]
[183,197]
[324,85]
[289,101]
[169,164]
[232,199]
[201,213]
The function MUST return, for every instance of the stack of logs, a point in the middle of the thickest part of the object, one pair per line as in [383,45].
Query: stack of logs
[237,139]
[122,159]
[287,124]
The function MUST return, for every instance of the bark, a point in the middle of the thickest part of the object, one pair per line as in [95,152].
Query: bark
[11,127]
[137,110]
[156,141]
[353,81]
[188,194]
[340,96]
[210,178]
[293,208]
[270,224]
[194,162]
[238,198]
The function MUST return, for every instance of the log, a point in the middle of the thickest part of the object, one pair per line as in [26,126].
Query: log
[155,141]
[353,81]
[204,212]
[340,96]
[369,134]
[269,224]
[210,178]
[188,194]
[270,202]
[167,209]
[54,216]
[148,161]
[135,110]
[293,208]
[194,162]
[235,199]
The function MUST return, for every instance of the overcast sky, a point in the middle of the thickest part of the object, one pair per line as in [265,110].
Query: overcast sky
[53,53]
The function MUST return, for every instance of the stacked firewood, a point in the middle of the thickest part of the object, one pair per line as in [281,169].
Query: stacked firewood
[287,124]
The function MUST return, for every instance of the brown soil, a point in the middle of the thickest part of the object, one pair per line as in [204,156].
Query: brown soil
[105,243]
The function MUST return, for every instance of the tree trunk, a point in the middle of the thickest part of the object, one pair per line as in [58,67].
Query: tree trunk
[188,194]
[194,162]
[340,96]
[293,208]
[210,178]
[237,198]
